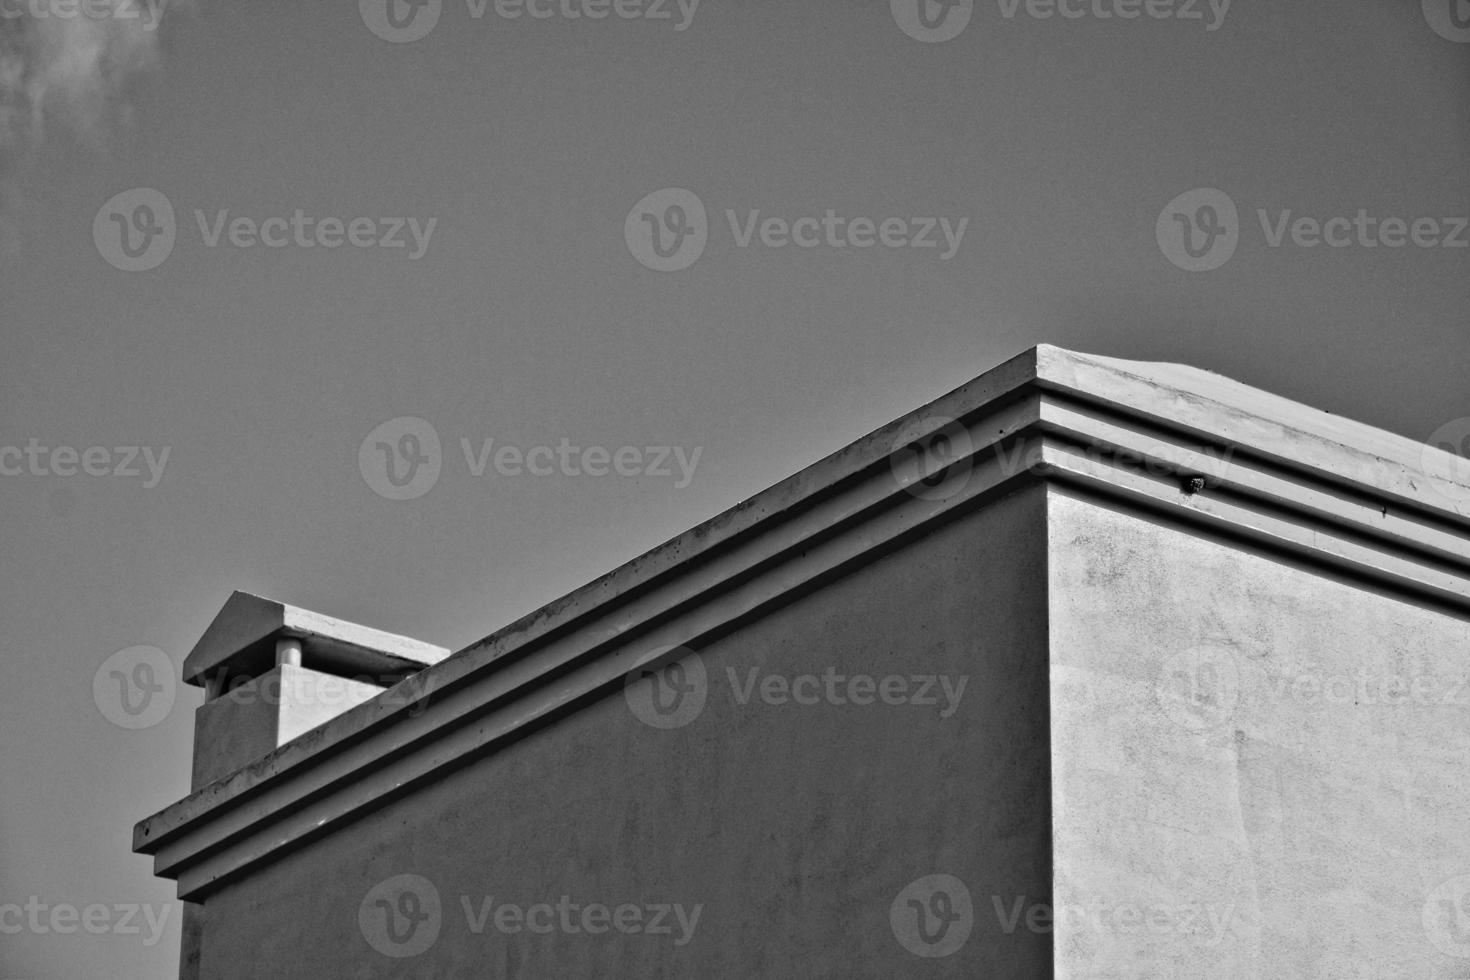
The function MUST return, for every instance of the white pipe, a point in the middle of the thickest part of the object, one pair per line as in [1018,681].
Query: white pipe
[288,651]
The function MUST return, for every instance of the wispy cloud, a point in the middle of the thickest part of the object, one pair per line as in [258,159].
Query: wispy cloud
[65,69]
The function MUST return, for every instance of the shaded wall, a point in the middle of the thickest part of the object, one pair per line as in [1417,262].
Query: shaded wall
[794,829]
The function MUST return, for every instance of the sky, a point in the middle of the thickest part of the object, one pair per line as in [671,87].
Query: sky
[372,319]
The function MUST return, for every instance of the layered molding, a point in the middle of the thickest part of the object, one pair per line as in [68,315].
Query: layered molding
[1168,441]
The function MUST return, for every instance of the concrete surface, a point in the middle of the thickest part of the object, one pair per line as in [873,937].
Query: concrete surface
[257,716]
[792,827]
[1259,770]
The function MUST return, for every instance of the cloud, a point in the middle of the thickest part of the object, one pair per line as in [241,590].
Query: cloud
[65,68]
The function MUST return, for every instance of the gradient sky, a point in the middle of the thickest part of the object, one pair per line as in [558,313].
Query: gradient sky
[528,319]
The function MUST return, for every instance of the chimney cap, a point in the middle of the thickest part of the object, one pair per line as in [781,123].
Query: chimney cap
[241,642]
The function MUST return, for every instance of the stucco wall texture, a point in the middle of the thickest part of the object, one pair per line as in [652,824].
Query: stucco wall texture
[770,839]
[1259,768]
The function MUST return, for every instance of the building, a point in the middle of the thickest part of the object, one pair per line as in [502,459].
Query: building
[1090,668]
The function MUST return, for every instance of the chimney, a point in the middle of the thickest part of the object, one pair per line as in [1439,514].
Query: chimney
[272,672]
